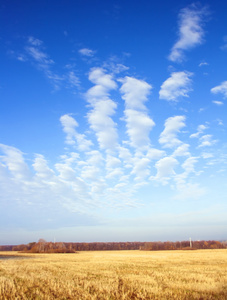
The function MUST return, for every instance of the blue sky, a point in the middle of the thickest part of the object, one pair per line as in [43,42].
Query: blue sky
[113,120]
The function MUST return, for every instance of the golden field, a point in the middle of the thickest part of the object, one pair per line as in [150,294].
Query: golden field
[200,274]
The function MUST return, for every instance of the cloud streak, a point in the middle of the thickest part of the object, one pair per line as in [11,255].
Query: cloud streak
[220,89]
[34,52]
[190,33]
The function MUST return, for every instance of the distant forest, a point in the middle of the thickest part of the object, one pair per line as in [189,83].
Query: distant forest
[43,246]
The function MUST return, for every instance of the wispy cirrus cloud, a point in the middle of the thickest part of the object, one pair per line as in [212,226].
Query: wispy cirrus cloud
[206,140]
[72,79]
[35,53]
[224,46]
[218,103]
[220,89]
[200,130]
[204,63]
[177,85]
[87,52]
[35,50]
[191,32]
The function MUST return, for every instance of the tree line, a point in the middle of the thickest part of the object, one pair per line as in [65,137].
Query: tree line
[184,245]
[43,246]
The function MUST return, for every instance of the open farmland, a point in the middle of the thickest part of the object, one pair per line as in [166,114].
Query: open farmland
[200,274]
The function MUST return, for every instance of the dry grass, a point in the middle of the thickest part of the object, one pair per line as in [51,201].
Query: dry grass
[200,274]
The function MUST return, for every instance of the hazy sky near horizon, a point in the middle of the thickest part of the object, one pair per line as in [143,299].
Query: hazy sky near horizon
[113,120]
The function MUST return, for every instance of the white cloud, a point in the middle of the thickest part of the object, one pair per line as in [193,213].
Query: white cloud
[155,154]
[182,150]
[200,130]
[219,103]
[112,162]
[35,42]
[139,125]
[222,89]
[113,167]
[73,80]
[39,186]
[203,64]
[96,92]
[72,136]
[70,158]
[177,85]
[21,57]
[41,167]
[220,122]
[101,122]
[115,67]
[39,56]
[189,163]
[102,108]
[100,78]
[206,141]
[168,138]
[90,173]
[87,52]
[135,93]
[69,124]
[94,158]
[117,172]
[96,181]
[188,167]
[187,190]
[141,168]
[165,169]
[190,32]
[35,52]
[14,161]
[126,156]
[206,155]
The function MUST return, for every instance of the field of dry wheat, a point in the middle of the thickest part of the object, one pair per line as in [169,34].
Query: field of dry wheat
[200,274]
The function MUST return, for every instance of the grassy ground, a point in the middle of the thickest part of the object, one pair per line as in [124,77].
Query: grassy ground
[200,274]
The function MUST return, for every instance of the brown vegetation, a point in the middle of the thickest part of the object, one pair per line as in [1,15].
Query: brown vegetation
[184,245]
[180,275]
[49,247]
